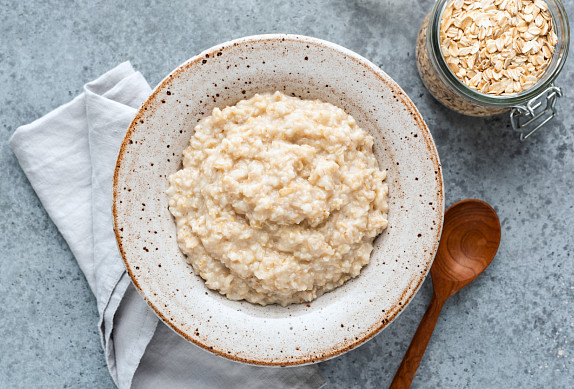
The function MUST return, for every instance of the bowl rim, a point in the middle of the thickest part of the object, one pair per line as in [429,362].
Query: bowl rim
[382,77]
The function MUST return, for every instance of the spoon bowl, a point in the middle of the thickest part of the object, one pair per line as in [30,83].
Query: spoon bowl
[470,238]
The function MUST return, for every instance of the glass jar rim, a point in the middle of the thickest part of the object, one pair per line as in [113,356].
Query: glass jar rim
[560,21]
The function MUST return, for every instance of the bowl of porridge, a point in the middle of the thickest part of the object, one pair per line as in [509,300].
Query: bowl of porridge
[278,200]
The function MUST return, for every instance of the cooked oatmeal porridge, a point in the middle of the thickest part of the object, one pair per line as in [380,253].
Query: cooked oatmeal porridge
[279,199]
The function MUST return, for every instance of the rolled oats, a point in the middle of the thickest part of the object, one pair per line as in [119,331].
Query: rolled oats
[438,89]
[504,35]
[496,47]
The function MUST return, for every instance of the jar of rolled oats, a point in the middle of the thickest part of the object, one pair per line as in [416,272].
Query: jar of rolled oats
[486,57]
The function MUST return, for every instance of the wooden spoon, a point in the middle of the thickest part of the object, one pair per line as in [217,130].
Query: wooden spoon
[470,239]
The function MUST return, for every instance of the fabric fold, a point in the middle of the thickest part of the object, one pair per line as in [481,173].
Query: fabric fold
[55,155]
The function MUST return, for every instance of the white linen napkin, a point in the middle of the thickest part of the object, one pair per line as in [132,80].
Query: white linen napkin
[69,156]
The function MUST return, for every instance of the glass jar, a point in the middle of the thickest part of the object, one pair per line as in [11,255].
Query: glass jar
[529,109]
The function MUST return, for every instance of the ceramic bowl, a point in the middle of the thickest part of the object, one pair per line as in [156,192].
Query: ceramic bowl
[339,320]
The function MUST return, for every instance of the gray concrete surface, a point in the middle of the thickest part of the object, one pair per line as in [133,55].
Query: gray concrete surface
[512,328]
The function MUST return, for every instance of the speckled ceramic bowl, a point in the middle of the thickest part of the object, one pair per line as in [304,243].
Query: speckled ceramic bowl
[301,333]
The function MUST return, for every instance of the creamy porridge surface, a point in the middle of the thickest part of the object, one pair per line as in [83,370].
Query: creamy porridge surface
[279,199]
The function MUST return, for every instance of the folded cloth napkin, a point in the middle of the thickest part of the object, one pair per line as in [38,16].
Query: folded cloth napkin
[69,156]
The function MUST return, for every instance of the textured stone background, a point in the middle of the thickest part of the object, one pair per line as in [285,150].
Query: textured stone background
[512,328]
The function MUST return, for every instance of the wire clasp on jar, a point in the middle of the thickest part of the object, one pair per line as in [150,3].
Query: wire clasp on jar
[533,111]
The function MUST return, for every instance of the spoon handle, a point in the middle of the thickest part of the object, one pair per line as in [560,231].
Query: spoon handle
[408,368]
